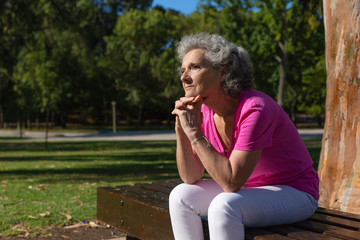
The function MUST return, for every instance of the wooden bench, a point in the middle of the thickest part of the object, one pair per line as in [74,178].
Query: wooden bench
[142,212]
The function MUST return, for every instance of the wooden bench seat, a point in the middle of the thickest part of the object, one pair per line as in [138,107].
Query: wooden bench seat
[142,212]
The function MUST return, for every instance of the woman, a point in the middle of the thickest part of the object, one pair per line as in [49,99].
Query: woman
[261,172]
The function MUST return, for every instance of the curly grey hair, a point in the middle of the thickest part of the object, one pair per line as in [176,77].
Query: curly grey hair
[221,53]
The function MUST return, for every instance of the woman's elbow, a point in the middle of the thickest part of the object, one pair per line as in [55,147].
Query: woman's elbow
[190,179]
[230,188]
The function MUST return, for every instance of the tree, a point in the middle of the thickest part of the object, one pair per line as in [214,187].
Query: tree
[339,168]
[284,40]
[46,71]
[141,42]
[17,21]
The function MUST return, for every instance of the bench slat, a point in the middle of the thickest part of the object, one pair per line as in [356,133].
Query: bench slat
[299,233]
[337,231]
[155,188]
[335,221]
[339,214]
[327,229]
[262,234]
[170,185]
[142,211]
[133,212]
[145,193]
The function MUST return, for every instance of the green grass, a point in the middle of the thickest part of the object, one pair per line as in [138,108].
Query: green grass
[64,179]
[38,188]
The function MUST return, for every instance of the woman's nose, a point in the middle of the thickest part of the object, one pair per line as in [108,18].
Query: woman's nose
[185,77]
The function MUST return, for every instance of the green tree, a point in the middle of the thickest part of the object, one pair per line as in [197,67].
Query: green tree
[68,38]
[141,57]
[312,99]
[284,38]
[17,21]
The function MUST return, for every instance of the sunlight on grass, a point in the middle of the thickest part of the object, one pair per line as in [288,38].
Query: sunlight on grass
[41,188]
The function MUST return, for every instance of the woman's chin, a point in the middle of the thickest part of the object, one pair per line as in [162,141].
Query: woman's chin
[190,94]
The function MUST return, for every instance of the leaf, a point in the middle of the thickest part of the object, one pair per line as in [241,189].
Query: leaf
[18,227]
[94,225]
[74,226]
[44,214]
[32,217]
[66,215]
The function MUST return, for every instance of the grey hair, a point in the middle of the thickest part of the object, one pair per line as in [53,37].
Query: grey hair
[220,53]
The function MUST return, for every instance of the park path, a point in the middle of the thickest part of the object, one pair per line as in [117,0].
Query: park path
[122,136]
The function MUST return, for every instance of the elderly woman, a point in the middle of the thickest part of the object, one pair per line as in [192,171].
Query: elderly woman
[261,172]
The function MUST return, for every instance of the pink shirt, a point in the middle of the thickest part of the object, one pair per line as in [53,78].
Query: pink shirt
[260,123]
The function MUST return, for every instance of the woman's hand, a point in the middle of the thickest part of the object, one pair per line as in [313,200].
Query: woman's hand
[189,116]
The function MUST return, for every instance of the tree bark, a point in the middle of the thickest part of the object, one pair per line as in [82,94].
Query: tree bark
[47,126]
[1,107]
[339,168]
[283,60]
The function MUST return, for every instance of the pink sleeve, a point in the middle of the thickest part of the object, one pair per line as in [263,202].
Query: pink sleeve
[255,128]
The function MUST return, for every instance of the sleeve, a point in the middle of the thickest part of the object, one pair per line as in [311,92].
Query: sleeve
[255,128]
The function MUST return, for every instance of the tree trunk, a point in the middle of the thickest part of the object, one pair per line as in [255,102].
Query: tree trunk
[282,78]
[47,127]
[19,124]
[140,115]
[28,121]
[1,116]
[1,107]
[339,168]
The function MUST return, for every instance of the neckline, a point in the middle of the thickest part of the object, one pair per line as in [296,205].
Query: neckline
[218,140]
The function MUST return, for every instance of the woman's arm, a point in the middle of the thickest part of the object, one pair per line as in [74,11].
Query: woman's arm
[194,153]
[189,166]
[231,174]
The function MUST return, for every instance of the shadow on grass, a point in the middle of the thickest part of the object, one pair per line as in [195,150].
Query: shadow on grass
[133,160]
[9,146]
[135,156]
[89,161]
[108,173]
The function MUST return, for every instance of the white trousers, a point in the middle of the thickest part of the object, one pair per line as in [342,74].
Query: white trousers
[228,213]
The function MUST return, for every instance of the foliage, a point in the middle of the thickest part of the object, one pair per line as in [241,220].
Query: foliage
[142,58]
[314,89]
[284,39]
[70,57]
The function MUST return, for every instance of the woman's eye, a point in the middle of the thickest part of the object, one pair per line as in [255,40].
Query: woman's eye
[196,67]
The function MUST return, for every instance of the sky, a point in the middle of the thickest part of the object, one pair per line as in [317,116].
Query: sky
[184,6]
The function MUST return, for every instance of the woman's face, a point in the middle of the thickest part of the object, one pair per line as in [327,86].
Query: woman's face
[198,76]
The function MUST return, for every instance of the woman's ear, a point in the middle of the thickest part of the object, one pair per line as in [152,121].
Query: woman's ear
[223,72]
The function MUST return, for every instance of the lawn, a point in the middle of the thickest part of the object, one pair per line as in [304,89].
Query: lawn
[57,187]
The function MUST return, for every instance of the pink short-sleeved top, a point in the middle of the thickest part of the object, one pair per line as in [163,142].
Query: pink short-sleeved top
[260,123]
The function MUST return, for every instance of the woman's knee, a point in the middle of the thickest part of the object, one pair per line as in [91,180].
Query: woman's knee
[178,194]
[223,206]
[225,222]
[183,194]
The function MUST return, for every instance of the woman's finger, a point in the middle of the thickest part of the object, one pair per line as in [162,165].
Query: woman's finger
[187,100]
[176,111]
[196,99]
[179,104]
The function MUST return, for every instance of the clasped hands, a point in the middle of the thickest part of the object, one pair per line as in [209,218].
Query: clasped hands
[189,116]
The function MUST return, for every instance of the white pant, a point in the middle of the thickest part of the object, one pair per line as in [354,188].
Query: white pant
[228,213]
